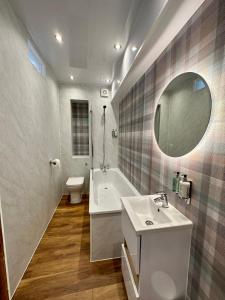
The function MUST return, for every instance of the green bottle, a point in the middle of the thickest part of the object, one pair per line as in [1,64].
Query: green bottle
[176,179]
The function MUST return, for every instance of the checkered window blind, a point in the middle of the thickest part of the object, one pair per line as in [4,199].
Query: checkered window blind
[80,127]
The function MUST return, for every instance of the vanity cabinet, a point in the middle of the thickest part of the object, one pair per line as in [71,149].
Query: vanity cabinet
[155,262]
[132,242]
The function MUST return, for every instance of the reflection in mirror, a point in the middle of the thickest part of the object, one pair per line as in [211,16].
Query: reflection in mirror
[182,114]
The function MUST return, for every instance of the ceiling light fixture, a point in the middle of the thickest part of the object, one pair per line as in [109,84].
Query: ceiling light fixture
[107,80]
[71,77]
[117,46]
[134,48]
[58,38]
[118,81]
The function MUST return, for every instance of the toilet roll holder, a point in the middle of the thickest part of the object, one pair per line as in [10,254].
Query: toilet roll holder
[53,162]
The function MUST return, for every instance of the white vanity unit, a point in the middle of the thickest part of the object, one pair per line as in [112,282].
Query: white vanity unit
[156,249]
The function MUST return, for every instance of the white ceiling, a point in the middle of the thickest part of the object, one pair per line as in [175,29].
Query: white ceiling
[173,17]
[89,29]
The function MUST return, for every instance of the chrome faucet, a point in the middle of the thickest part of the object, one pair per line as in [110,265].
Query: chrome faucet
[162,199]
[104,168]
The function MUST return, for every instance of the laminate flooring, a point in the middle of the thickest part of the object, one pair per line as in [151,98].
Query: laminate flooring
[61,269]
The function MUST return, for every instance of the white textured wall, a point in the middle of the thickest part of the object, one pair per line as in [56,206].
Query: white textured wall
[76,166]
[29,137]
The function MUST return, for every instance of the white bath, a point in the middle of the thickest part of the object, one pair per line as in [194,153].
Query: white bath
[105,212]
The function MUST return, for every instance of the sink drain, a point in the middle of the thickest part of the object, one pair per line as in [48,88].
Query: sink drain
[105,188]
[148,222]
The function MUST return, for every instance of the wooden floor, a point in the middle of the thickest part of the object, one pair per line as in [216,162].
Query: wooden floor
[61,269]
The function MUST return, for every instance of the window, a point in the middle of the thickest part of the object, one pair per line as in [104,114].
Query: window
[80,127]
[35,59]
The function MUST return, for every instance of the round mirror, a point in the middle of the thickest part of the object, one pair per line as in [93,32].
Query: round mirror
[182,114]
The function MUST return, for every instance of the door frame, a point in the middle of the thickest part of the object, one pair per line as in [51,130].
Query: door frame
[4,283]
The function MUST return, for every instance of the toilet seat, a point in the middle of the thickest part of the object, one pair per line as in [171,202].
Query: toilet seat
[74,181]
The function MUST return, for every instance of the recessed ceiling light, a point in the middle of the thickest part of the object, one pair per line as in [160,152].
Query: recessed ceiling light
[117,46]
[107,80]
[71,77]
[58,38]
[134,48]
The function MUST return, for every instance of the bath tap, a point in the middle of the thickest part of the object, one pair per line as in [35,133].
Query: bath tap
[104,168]
[162,199]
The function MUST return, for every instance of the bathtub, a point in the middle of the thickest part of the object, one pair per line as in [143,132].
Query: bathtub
[105,212]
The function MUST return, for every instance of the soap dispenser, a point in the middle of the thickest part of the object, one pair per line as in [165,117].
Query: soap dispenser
[185,189]
[176,183]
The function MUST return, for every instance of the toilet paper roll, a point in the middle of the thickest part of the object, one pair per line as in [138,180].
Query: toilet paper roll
[55,163]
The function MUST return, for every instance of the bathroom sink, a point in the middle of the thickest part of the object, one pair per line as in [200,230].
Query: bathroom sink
[156,249]
[146,215]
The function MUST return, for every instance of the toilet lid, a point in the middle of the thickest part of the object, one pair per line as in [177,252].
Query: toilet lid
[75,181]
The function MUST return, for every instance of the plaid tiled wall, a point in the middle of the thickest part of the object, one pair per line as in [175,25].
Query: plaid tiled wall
[200,48]
[80,127]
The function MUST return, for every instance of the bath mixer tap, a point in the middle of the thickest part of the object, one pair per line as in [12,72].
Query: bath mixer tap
[162,199]
[103,168]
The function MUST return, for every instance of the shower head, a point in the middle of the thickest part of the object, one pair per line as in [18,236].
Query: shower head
[104,106]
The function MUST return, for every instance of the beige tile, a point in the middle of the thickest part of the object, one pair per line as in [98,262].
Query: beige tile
[110,292]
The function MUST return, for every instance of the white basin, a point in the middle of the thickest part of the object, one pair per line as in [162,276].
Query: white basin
[155,256]
[146,215]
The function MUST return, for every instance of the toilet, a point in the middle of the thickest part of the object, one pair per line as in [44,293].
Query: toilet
[75,187]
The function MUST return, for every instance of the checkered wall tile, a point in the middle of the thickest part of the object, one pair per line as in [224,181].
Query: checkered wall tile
[200,48]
